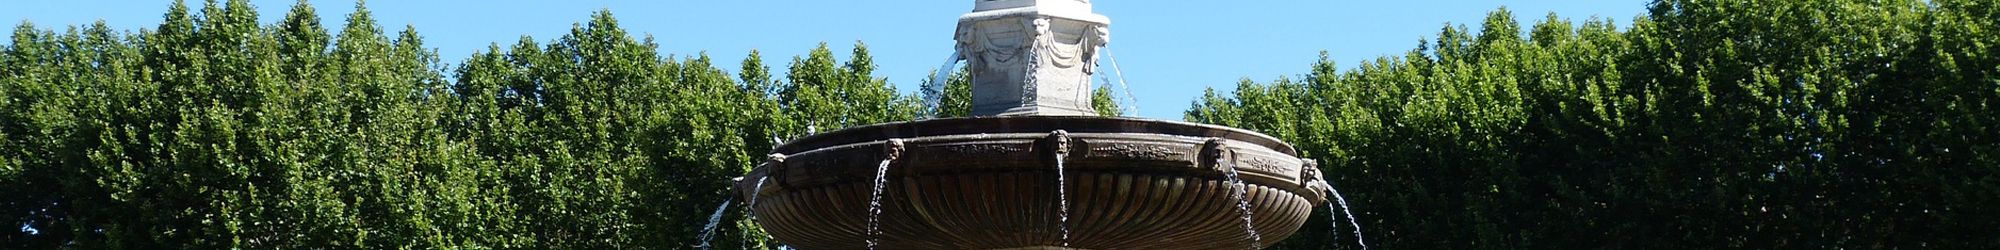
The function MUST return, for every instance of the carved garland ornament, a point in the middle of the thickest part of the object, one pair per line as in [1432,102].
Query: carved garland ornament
[1032,50]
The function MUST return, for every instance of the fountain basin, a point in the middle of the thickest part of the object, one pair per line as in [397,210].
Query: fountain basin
[990,183]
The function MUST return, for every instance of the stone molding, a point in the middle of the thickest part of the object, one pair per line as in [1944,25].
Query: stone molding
[1031,57]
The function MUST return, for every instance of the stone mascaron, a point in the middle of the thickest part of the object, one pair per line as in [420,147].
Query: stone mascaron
[1031,57]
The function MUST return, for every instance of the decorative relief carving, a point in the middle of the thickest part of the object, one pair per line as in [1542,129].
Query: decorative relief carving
[983,149]
[1140,152]
[1216,151]
[1032,58]
[1309,173]
[1038,30]
[1061,140]
[1314,181]
[1267,165]
[1032,61]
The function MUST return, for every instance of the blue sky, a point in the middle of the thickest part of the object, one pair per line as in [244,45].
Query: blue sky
[1169,50]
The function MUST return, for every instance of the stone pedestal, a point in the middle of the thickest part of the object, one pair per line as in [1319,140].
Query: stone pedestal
[1031,57]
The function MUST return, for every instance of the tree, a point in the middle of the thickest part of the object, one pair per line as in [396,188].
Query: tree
[1708,124]
[1102,102]
[1703,124]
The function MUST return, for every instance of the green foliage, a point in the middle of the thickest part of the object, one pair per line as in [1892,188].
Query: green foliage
[1102,101]
[957,99]
[825,95]
[212,131]
[1706,124]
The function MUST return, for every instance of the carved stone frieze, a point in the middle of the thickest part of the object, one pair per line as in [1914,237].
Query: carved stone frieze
[987,182]
[972,149]
[1031,57]
[950,179]
[1266,165]
[1138,151]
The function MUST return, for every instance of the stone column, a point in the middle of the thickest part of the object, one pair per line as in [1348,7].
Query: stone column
[1031,57]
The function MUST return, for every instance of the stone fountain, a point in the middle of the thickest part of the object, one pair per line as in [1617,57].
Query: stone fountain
[1034,167]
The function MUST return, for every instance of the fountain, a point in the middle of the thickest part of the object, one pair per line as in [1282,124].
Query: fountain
[1034,167]
[708,230]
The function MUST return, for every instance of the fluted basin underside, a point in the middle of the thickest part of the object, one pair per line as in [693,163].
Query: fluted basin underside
[990,183]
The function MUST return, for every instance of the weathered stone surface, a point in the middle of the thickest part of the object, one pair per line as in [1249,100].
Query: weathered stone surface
[1031,57]
[988,183]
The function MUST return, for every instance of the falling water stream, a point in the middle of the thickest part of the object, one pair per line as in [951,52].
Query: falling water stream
[1240,192]
[1062,200]
[750,209]
[1121,81]
[875,202]
[708,231]
[1343,210]
[934,94]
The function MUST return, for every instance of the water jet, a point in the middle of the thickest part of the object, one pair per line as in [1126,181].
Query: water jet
[1034,167]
